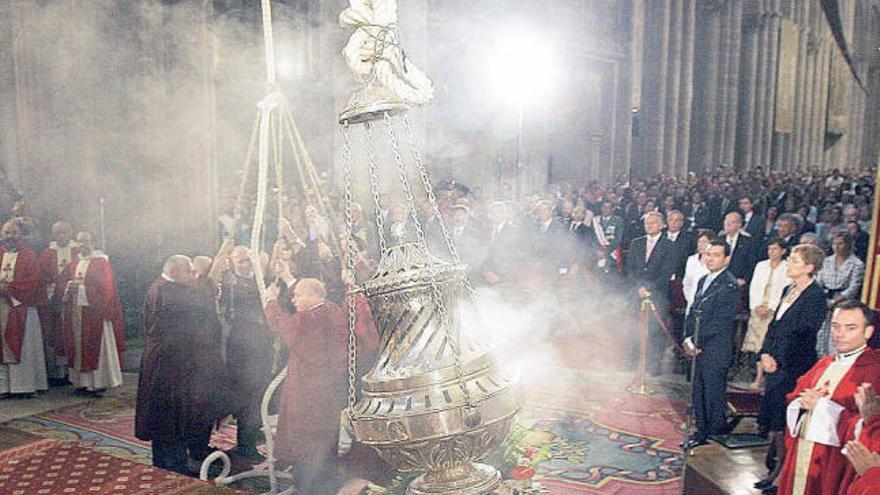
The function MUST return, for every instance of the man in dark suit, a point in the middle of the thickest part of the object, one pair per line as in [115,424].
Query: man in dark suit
[742,249]
[649,268]
[505,247]
[608,228]
[787,228]
[582,240]
[709,329]
[684,244]
[697,214]
[752,222]
[549,236]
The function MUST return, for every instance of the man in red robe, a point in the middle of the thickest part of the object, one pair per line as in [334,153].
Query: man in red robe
[823,412]
[314,392]
[94,330]
[53,262]
[22,362]
[863,454]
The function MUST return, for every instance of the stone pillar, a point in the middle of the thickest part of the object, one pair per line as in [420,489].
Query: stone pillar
[654,86]
[673,54]
[800,89]
[757,132]
[823,72]
[746,112]
[686,87]
[733,78]
[720,101]
[812,61]
[770,90]
[708,105]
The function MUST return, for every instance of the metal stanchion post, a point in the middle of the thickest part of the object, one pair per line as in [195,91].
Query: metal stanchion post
[639,385]
[698,315]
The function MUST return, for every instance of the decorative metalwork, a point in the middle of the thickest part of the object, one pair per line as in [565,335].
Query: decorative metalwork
[428,404]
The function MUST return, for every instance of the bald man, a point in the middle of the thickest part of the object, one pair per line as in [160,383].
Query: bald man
[22,361]
[94,329]
[314,392]
[249,351]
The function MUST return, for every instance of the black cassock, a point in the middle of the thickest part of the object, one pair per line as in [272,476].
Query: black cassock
[181,383]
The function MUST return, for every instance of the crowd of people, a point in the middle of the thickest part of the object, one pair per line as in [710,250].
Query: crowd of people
[759,269]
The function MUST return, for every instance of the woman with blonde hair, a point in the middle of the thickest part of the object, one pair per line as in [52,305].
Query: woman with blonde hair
[789,348]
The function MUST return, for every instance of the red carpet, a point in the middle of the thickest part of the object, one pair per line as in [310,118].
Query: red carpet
[51,467]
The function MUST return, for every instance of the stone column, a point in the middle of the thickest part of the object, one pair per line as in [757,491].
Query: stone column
[720,101]
[654,85]
[733,79]
[770,90]
[686,87]
[757,131]
[746,112]
[812,63]
[708,106]
[670,142]
[821,94]
[800,88]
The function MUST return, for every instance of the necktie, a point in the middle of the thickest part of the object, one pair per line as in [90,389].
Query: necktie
[706,284]
[649,249]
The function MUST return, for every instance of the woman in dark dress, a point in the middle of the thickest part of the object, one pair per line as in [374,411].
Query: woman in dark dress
[789,348]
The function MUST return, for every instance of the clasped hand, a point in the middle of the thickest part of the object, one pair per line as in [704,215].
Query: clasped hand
[810,397]
[768,363]
[867,401]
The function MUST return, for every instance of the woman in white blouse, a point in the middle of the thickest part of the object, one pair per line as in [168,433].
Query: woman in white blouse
[765,291]
[695,268]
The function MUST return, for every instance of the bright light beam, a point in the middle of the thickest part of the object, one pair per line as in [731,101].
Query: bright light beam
[522,68]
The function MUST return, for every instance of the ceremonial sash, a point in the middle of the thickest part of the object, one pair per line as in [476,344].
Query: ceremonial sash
[603,241]
[81,300]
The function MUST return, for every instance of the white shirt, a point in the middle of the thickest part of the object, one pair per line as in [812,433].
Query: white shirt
[693,272]
[710,277]
[673,235]
[731,241]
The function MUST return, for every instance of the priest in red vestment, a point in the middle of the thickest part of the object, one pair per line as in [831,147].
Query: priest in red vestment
[823,412]
[22,362]
[315,390]
[94,330]
[53,262]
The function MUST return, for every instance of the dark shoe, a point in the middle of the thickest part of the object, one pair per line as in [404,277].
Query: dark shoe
[770,490]
[692,444]
[251,455]
[58,382]
[82,392]
[763,483]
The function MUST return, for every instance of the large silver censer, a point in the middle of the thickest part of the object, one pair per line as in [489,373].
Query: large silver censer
[422,408]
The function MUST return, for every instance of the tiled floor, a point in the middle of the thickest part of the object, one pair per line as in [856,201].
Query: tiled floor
[54,398]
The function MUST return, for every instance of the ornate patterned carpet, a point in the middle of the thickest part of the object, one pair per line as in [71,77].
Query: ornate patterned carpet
[580,433]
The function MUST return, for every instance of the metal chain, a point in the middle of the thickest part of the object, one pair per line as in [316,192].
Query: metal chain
[437,296]
[432,199]
[350,252]
[374,186]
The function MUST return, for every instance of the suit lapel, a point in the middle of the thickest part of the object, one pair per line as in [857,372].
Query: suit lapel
[794,304]
[714,287]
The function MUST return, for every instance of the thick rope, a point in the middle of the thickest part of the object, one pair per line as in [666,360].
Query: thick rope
[269,42]
[373,52]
